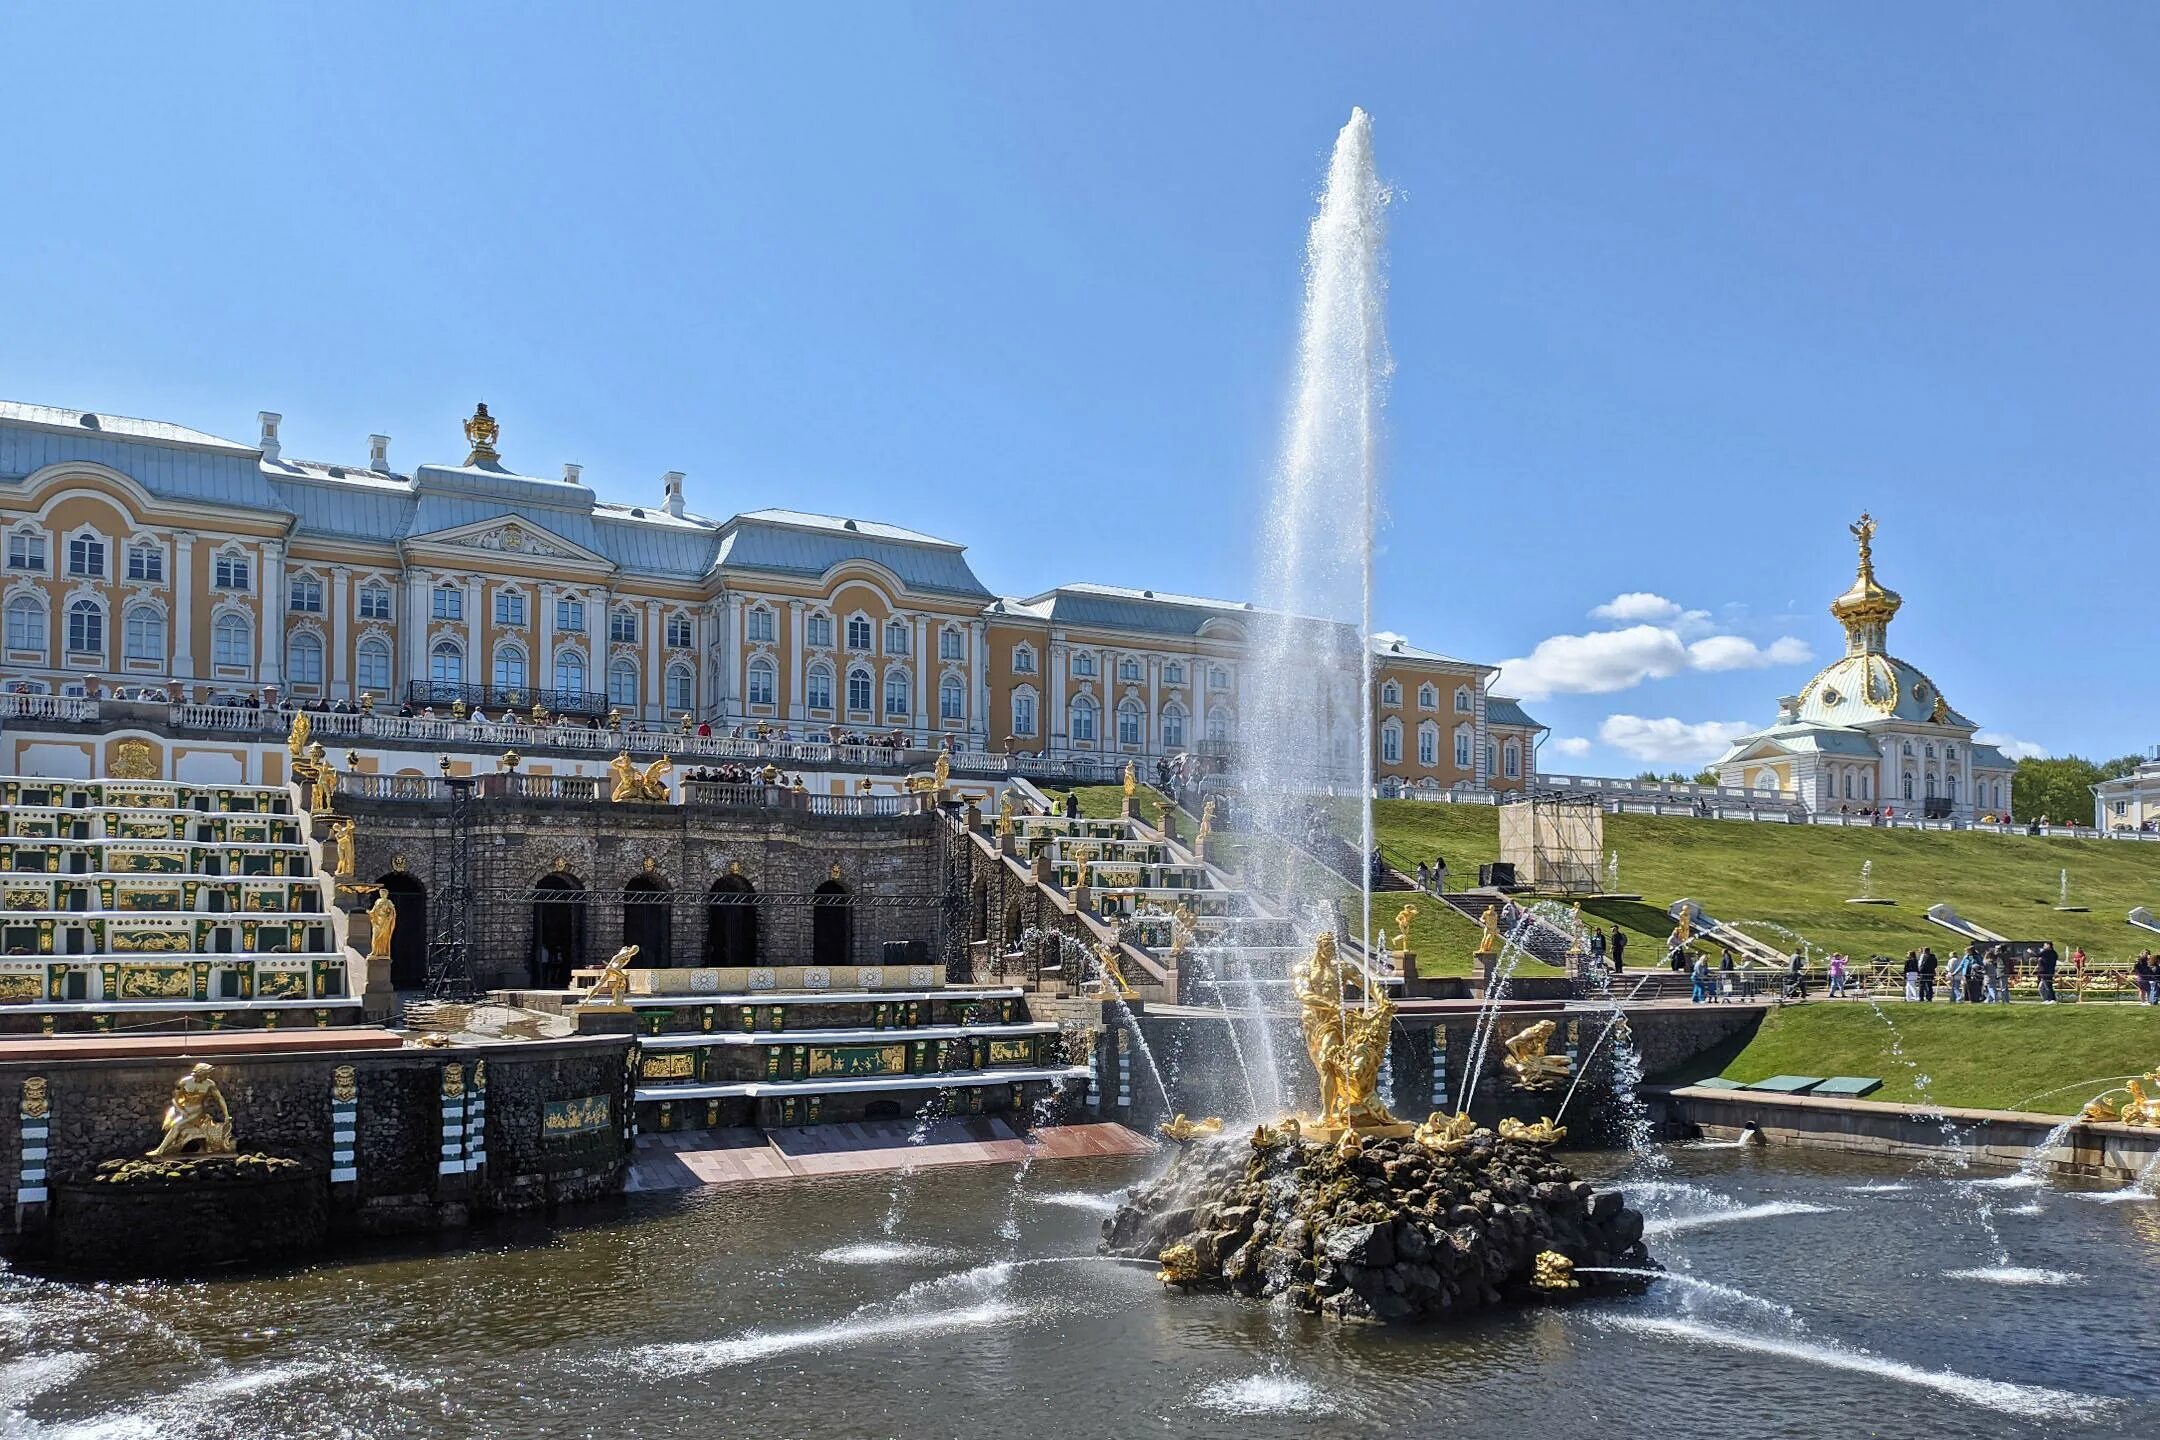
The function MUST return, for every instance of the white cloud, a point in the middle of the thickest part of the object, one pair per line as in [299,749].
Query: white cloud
[1667,741]
[1638,605]
[1572,746]
[2011,746]
[1736,652]
[1594,664]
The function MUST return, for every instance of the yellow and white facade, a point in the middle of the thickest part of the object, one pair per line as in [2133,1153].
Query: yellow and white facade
[145,554]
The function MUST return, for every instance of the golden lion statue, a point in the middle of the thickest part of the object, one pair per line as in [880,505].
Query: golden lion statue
[1527,1061]
[631,783]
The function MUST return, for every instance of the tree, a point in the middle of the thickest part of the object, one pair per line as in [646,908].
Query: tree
[2059,789]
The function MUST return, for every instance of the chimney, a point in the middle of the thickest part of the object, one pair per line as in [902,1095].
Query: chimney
[1788,709]
[571,472]
[378,453]
[673,481]
[270,421]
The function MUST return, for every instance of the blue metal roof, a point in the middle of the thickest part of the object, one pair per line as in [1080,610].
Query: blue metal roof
[1499,710]
[170,461]
[785,547]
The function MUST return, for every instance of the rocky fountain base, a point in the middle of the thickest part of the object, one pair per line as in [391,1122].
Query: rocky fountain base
[1377,1227]
[185,1214]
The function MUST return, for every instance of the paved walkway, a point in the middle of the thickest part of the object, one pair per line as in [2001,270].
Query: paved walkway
[687,1159]
[194,1044]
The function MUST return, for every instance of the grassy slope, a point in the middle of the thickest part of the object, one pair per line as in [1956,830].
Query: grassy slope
[1799,876]
[2000,1057]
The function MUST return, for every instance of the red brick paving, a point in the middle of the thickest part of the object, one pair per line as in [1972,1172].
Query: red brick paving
[688,1159]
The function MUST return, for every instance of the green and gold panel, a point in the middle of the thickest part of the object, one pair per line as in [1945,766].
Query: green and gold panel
[281,984]
[561,1119]
[120,826]
[125,939]
[22,987]
[30,895]
[139,895]
[1013,1052]
[154,982]
[841,1060]
[146,862]
[668,1065]
[329,978]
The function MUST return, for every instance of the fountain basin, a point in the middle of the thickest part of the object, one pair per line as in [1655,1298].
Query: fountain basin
[187,1215]
[1386,1230]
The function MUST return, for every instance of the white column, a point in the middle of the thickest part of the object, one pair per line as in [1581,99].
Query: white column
[925,720]
[796,670]
[1054,723]
[340,631]
[543,663]
[654,665]
[979,684]
[183,583]
[1151,676]
[477,671]
[731,657]
[269,664]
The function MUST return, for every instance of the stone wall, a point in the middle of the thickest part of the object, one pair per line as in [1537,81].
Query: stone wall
[400,1176]
[893,866]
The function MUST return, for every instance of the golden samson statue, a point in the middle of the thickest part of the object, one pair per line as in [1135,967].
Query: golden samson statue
[1346,1043]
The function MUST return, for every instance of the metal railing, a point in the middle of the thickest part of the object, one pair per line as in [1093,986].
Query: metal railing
[510,697]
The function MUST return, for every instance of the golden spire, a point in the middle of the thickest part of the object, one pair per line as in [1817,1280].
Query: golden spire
[1867,608]
[480,433]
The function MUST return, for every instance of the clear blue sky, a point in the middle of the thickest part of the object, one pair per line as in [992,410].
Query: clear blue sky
[1677,290]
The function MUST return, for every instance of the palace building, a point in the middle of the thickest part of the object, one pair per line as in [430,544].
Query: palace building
[146,554]
[1871,732]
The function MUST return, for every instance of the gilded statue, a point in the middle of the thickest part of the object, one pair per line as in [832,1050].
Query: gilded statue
[1005,815]
[1544,1132]
[2100,1109]
[631,783]
[1109,975]
[934,783]
[614,981]
[1403,917]
[1180,1265]
[382,924]
[1553,1271]
[1207,818]
[1132,783]
[1346,1045]
[1527,1061]
[1275,1137]
[481,433]
[1445,1135]
[1181,1130]
[1489,931]
[1181,928]
[197,1120]
[324,799]
[1684,931]
[942,771]
[296,740]
[1575,930]
[342,834]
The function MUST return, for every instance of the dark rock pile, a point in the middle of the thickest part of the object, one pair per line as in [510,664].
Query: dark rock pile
[191,1170]
[1386,1230]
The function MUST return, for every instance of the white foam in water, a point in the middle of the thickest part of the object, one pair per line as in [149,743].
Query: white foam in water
[1271,1393]
[2029,1208]
[2128,1195]
[1641,1190]
[2015,1275]
[882,1252]
[1880,1187]
[1769,1210]
[689,1357]
[1081,1200]
[26,1379]
[2008,1182]
[2037,1402]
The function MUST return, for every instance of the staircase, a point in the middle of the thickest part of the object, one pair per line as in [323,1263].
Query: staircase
[1547,944]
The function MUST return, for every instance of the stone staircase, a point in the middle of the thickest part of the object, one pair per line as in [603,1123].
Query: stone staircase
[1540,941]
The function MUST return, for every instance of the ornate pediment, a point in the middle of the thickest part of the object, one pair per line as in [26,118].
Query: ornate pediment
[510,536]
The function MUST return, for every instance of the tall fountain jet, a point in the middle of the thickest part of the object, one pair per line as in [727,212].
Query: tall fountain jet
[1305,734]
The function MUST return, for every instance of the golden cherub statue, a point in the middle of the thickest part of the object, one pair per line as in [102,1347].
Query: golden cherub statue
[1532,1068]
[341,834]
[1544,1132]
[1109,975]
[1489,931]
[630,783]
[1182,1130]
[1346,1045]
[382,924]
[197,1120]
[1445,1135]
[614,981]
[296,741]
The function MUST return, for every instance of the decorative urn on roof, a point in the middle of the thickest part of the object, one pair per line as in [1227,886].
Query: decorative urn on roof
[481,432]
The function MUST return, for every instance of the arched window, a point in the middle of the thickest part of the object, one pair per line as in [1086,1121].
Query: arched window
[1462,747]
[509,668]
[1391,743]
[858,633]
[26,624]
[86,628]
[896,692]
[1128,669]
[1908,786]
[679,682]
[569,671]
[896,637]
[819,687]
[1867,786]
[1129,723]
[1083,662]
[951,698]
[622,626]
[1173,727]
[232,641]
[303,659]
[449,602]
[1428,744]
[758,623]
[1023,660]
[1428,697]
[858,688]
[1463,703]
[761,682]
[446,663]
[374,671]
[1083,720]
[1218,725]
[622,686]
[145,637]
[1489,766]
[1023,713]
[952,644]
[817,630]
[1512,759]
[1391,693]
[1218,677]
[1173,672]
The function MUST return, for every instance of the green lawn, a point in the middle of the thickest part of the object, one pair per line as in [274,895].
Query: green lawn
[1997,1057]
[1798,877]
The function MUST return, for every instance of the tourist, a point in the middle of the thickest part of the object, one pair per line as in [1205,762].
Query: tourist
[1619,946]
[1912,975]
[2142,973]
[1975,975]
[1956,976]
[1799,975]
[1699,974]
[1597,947]
[1726,967]
[1928,967]
[1424,876]
[2046,971]
[1439,874]
[1838,966]
[1996,985]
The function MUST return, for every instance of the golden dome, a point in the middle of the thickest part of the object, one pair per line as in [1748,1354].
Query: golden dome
[1867,608]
